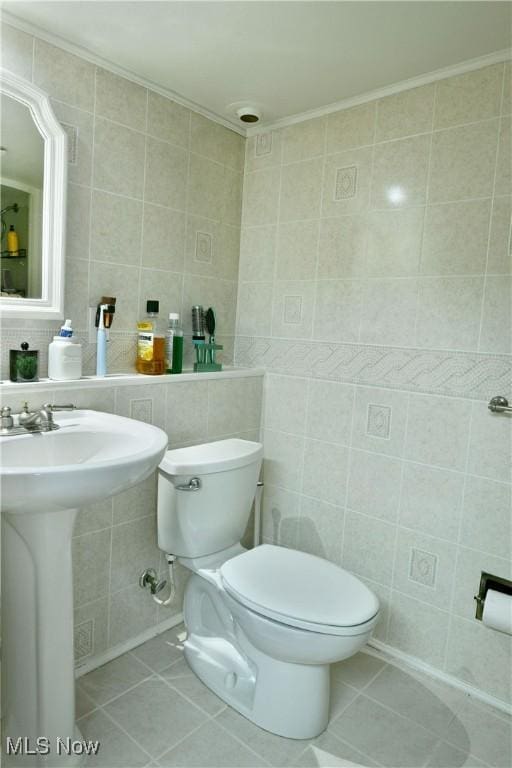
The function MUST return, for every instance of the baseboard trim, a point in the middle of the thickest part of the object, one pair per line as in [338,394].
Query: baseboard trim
[374,648]
[93,662]
[400,659]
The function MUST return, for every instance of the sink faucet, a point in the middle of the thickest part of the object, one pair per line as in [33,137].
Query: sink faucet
[34,421]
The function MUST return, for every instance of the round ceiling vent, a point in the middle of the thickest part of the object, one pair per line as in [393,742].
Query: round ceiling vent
[249,114]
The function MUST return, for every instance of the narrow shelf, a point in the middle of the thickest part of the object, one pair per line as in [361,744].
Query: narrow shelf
[22,254]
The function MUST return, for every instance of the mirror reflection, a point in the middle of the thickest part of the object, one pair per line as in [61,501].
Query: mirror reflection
[21,199]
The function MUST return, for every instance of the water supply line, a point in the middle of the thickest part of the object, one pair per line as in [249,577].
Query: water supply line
[257,513]
[148,578]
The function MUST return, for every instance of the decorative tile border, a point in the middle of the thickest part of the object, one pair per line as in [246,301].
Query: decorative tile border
[458,374]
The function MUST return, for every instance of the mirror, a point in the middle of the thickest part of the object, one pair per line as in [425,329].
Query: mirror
[32,202]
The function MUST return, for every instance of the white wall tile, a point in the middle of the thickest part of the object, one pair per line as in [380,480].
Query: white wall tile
[496,334]
[255,309]
[438,431]
[338,201]
[500,256]
[283,460]
[350,128]
[405,113]
[261,196]
[17,51]
[297,244]
[330,405]
[487,518]
[234,405]
[469,643]
[263,150]
[325,471]
[462,162]
[399,176]
[118,159]
[374,485]
[424,568]
[257,253]
[303,140]
[448,315]
[341,248]
[285,403]
[320,530]
[168,120]
[368,547]
[120,100]
[418,629]
[116,224]
[469,97]
[490,444]
[292,314]
[64,76]
[391,407]
[163,242]
[394,242]
[166,174]
[281,510]
[431,500]
[301,185]
[455,240]
[337,310]
[389,311]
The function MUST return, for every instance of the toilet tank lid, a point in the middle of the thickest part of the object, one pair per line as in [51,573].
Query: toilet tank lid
[298,588]
[208,458]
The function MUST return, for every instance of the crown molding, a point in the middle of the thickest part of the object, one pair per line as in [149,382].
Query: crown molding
[84,53]
[388,90]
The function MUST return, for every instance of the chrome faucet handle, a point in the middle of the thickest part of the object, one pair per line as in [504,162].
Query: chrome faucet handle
[6,420]
[52,408]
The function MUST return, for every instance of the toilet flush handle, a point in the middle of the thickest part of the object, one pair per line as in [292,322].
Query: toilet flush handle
[193,485]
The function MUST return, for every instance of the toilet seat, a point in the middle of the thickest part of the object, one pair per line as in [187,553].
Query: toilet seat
[299,589]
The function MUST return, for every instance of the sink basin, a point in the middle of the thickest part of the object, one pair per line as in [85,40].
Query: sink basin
[93,455]
[45,478]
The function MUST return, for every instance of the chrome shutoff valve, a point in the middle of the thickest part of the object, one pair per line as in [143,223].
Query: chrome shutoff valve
[148,578]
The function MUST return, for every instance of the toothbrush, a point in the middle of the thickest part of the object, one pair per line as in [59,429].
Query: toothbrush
[101,347]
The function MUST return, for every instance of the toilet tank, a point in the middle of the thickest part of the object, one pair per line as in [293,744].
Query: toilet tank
[205,494]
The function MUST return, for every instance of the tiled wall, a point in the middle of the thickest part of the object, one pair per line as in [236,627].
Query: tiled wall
[375,289]
[115,540]
[154,200]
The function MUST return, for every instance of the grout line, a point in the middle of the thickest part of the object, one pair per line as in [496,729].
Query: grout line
[349,473]
[458,541]
[489,231]
[399,505]
[112,720]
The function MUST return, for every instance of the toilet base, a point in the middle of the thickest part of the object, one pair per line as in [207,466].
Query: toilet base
[288,699]
[291,700]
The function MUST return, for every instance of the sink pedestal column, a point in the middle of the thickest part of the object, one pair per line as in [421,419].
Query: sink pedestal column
[38,682]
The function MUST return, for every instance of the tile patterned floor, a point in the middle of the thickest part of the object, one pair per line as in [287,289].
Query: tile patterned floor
[148,709]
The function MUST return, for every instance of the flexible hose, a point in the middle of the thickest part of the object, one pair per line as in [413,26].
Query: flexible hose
[257,513]
[172,586]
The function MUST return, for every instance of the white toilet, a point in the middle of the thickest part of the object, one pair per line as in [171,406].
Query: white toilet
[263,625]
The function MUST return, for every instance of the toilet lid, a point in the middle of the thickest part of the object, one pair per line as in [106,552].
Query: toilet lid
[298,589]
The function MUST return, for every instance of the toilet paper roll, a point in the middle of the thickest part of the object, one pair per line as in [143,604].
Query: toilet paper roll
[498,611]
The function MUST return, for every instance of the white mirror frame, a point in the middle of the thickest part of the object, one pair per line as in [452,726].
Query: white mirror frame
[51,303]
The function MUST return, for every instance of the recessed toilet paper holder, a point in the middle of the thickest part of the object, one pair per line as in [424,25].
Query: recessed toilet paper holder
[489,581]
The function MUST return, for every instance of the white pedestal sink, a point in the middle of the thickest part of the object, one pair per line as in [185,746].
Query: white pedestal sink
[45,478]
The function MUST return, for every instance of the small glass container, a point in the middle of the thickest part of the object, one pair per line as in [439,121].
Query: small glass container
[23,364]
